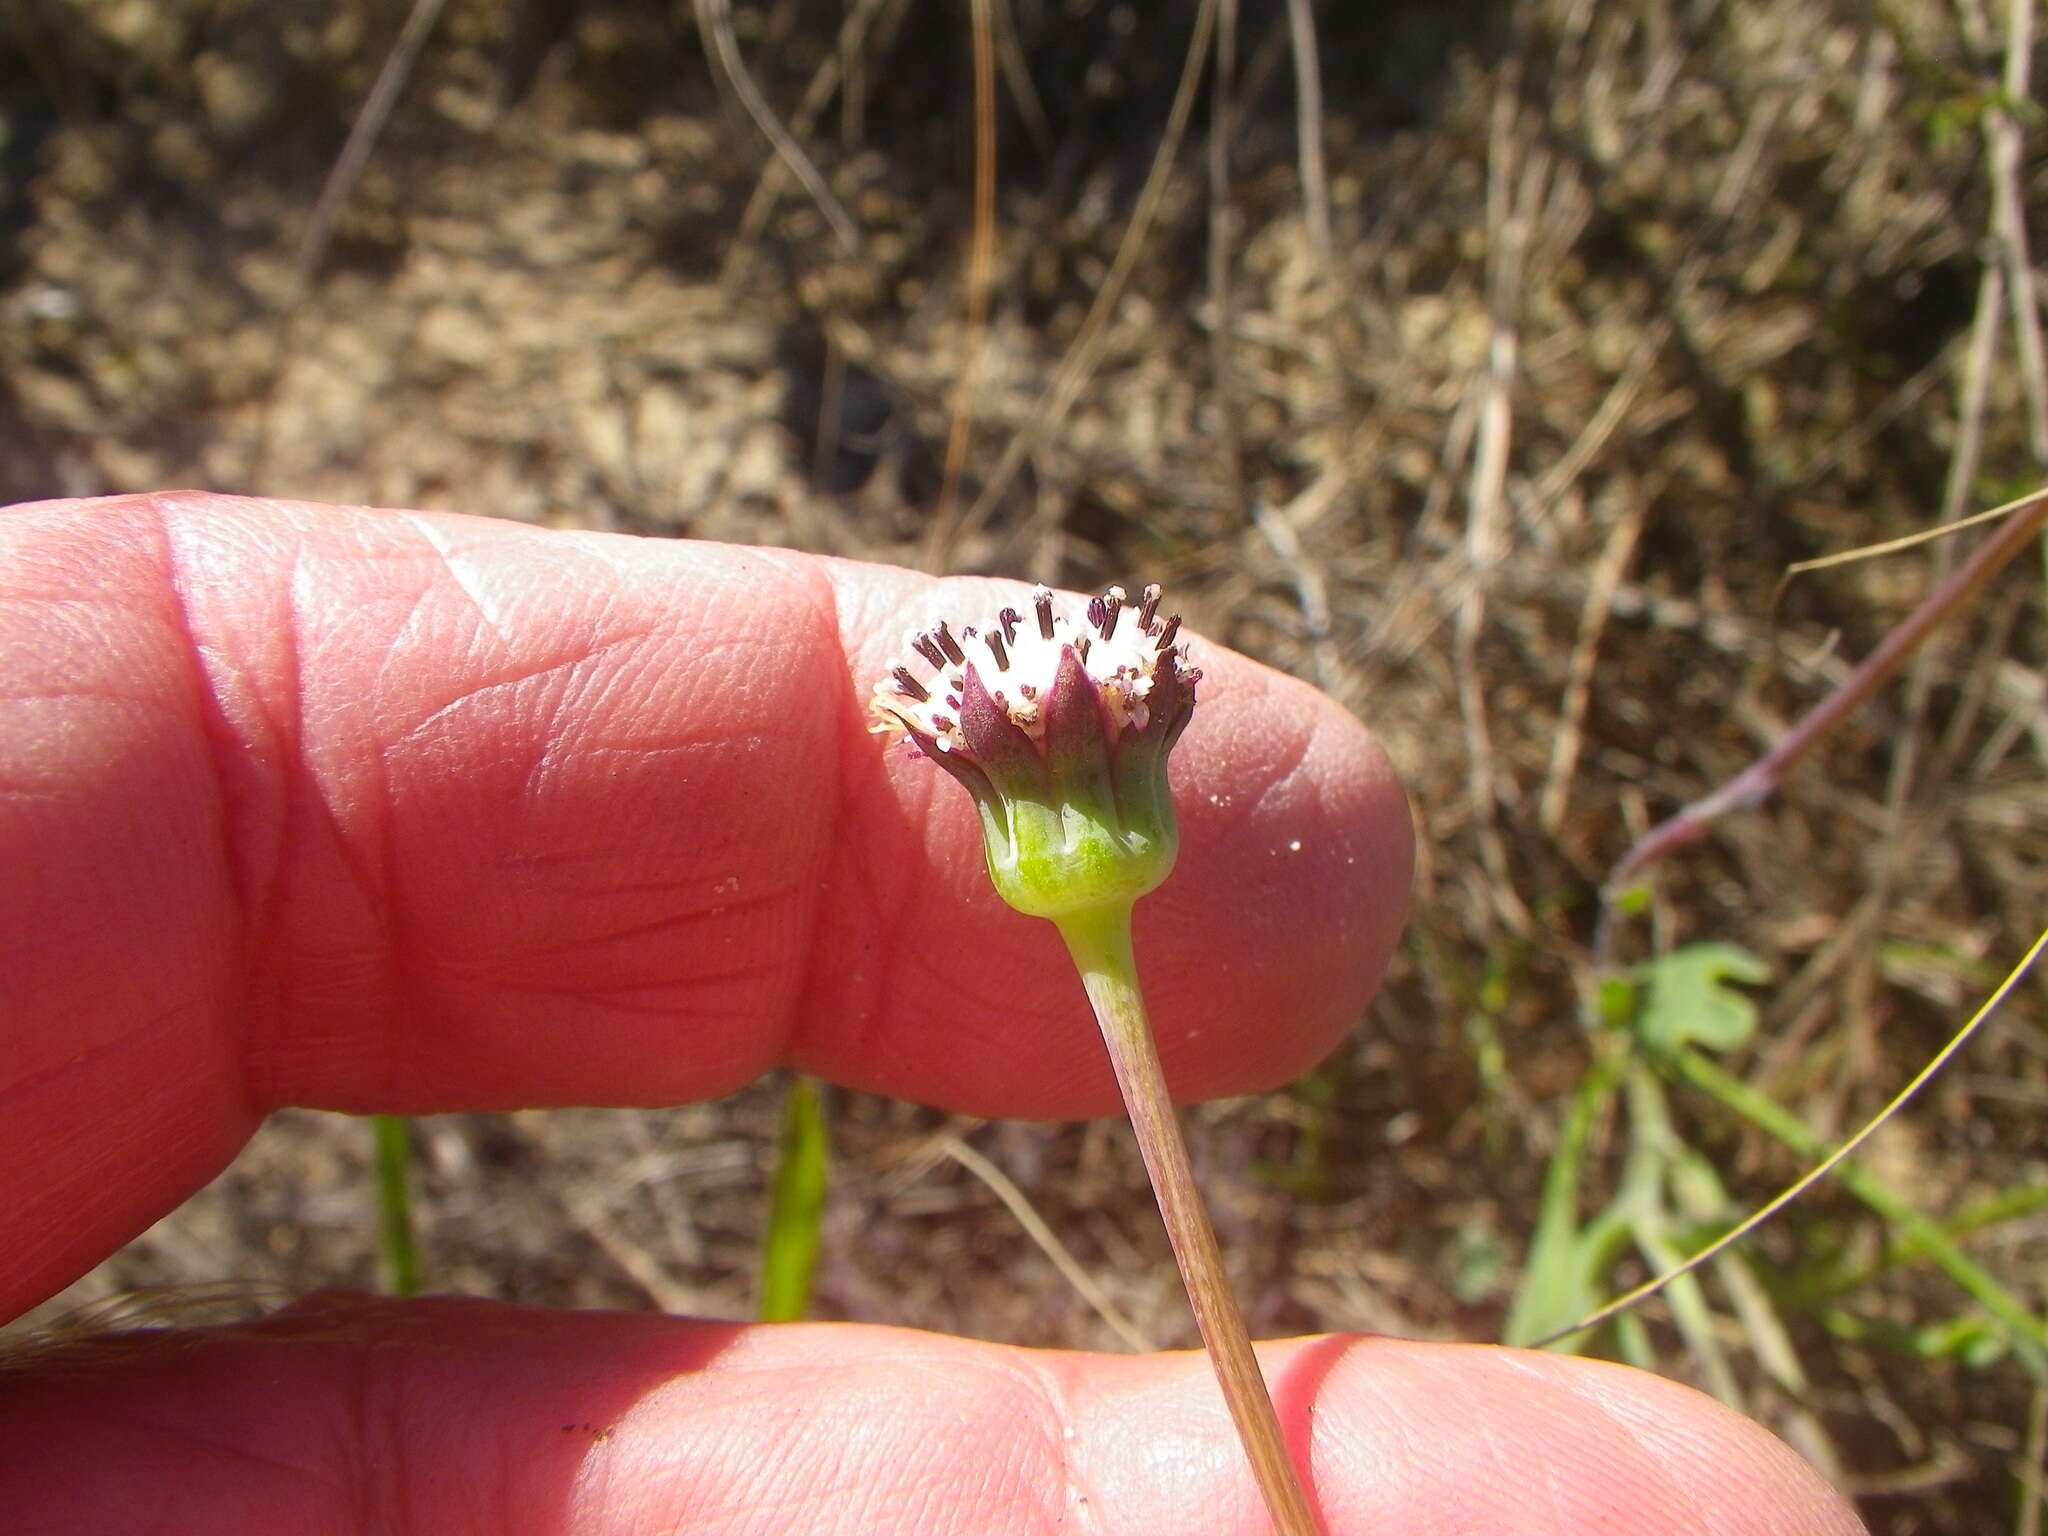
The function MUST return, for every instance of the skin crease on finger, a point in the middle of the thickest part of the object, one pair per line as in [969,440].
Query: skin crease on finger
[405,812]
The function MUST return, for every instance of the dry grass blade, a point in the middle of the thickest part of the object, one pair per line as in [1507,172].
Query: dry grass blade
[1513,187]
[1081,357]
[1889,546]
[1564,754]
[335,191]
[1308,109]
[1311,586]
[1076,1274]
[180,1306]
[981,264]
[1017,76]
[362,139]
[2004,154]
[865,18]
[1222,225]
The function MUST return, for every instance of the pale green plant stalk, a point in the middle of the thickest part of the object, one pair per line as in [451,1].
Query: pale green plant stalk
[1061,732]
[1100,942]
[398,1250]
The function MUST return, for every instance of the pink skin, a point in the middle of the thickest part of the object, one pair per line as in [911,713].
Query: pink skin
[375,810]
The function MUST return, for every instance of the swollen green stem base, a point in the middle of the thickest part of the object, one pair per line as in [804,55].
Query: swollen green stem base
[1100,942]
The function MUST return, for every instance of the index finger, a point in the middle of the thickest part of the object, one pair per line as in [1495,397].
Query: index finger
[394,811]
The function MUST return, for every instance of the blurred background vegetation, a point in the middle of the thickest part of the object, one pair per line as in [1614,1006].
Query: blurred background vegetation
[1492,387]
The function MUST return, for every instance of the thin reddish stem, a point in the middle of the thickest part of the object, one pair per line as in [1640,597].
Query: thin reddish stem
[1760,779]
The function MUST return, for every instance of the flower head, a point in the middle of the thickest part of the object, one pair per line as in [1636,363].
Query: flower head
[1060,730]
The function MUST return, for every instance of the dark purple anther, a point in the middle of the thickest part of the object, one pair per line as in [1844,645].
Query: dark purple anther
[1147,606]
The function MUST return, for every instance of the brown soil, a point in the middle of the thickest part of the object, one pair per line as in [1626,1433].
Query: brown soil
[1627,307]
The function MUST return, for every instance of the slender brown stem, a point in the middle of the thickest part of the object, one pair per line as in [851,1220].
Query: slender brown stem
[1100,943]
[1757,782]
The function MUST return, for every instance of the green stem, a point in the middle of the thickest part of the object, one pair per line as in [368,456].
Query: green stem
[796,1209]
[1100,942]
[399,1255]
[2029,1334]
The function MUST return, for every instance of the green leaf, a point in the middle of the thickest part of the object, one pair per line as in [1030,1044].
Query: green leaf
[1617,1001]
[1687,999]
[796,1206]
[1971,1340]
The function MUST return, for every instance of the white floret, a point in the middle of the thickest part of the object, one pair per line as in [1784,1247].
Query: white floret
[1018,657]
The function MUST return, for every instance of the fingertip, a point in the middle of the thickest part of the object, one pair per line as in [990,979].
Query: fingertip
[436,1409]
[1514,1440]
[1296,860]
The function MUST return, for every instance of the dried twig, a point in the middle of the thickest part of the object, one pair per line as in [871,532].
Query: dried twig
[714,18]
[1760,779]
[1578,688]
[1017,76]
[335,192]
[2002,151]
[1308,118]
[832,72]
[1222,224]
[1005,1189]
[362,139]
[1508,213]
[981,258]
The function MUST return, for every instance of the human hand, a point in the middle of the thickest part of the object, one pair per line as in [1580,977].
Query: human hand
[387,811]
